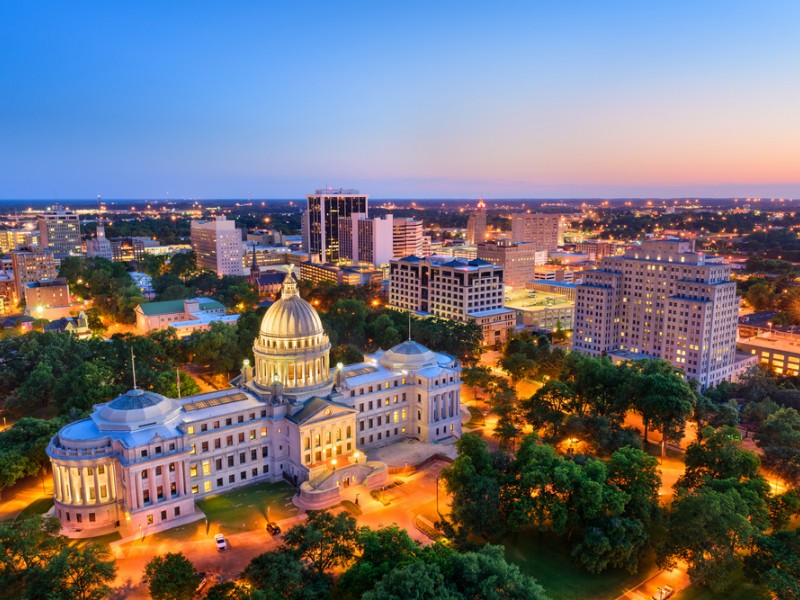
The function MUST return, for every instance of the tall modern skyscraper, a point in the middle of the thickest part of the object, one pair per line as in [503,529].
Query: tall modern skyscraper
[60,231]
[544,230]
[218,246]
[321,221]
[661,300]
[476,225]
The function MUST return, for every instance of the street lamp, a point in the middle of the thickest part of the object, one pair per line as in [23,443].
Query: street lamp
[356,455]
[333,462]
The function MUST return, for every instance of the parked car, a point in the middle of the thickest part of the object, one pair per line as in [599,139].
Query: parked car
[222,543]
[203,582]
[663,593]
[273,529]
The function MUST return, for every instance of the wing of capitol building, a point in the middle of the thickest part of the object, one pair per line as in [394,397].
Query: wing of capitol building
[142,459]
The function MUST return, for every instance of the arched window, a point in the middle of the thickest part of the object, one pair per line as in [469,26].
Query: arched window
[308,443]
[338,435]
[328,437]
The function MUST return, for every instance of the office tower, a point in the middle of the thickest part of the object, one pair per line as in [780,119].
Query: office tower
[60,231]
[476,225]
[100,246]
[32,265]
[218,246]
[321,221]
[661,300]
[452,288]
[518,260]
[366,240]
[408,239]
[545,231]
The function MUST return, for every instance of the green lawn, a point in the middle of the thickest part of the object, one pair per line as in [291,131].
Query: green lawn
[546,557]
[741,589]
[246,508]
[100,539]
[36,508]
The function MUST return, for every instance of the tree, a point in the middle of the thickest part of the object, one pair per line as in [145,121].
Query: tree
[171,576]
[282,574]
[324,540]
[381,551]
[706,529]
[505,406]
[761,296]
[663,399]
[473,482]
[779,439]
[718,456]
[80,573]
[26,548]
[347,318]
[233,590]
[420,580]
[518,366]
[636,474]
[218,346]
[13,467]
[775,562]
[167,384]
[612,542]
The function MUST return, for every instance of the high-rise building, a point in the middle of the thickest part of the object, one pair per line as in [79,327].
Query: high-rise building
[366,240]
[661,300]
[451,288]
[407,238]
[218,246]
[100,247]
[476,225]
[321,221]
[518,260]
[544,230]
[60,231]
[31,265]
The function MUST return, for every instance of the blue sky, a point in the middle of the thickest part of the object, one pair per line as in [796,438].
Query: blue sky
[399,99]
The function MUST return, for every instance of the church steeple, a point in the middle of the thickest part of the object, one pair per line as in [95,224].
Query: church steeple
[254,270]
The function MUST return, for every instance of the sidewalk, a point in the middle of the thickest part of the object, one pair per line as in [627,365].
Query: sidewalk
[17,497]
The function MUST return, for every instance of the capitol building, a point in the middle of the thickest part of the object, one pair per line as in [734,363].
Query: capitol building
[140,461]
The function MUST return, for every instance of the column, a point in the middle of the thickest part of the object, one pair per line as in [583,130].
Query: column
[57,483]
[152,484]
[96,487]
[112,481]
[137,489]
[73,484]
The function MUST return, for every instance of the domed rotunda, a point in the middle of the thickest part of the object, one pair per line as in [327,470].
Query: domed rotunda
[292,349]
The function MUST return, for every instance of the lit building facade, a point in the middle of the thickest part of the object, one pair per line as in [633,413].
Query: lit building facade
[544,230]
[218,246]
[517,259]
[661,300]
[139,462]
[476,225]
[60,232]
[457,289]
[366,240]
[407,238]
[32,265]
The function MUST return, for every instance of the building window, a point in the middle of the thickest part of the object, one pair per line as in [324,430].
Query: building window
[160,492]
[193,471]
[171,467]
[144,453]
[243,475]
[206,467]
[229,440]
[163,515]
[79,517]
[204,447]
[144,474]
[241,437]
[206,486]
[231,478]
[195,489]
[252,434]
[193,450]
[173,489]
[230,461]
[190,429]
[146,496]
[91,518]
[177,511]
[101,470]
[103,491]
[158,470]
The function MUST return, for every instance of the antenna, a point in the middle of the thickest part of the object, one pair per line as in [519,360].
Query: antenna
[133,368]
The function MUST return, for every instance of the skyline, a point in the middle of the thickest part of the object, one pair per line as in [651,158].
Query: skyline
[400,101]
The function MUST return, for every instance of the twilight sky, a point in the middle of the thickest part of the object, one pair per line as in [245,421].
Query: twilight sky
[399,98]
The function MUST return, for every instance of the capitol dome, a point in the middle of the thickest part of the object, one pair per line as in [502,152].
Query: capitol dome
[292,349]
[291,316]
[136,406]
[409,355]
